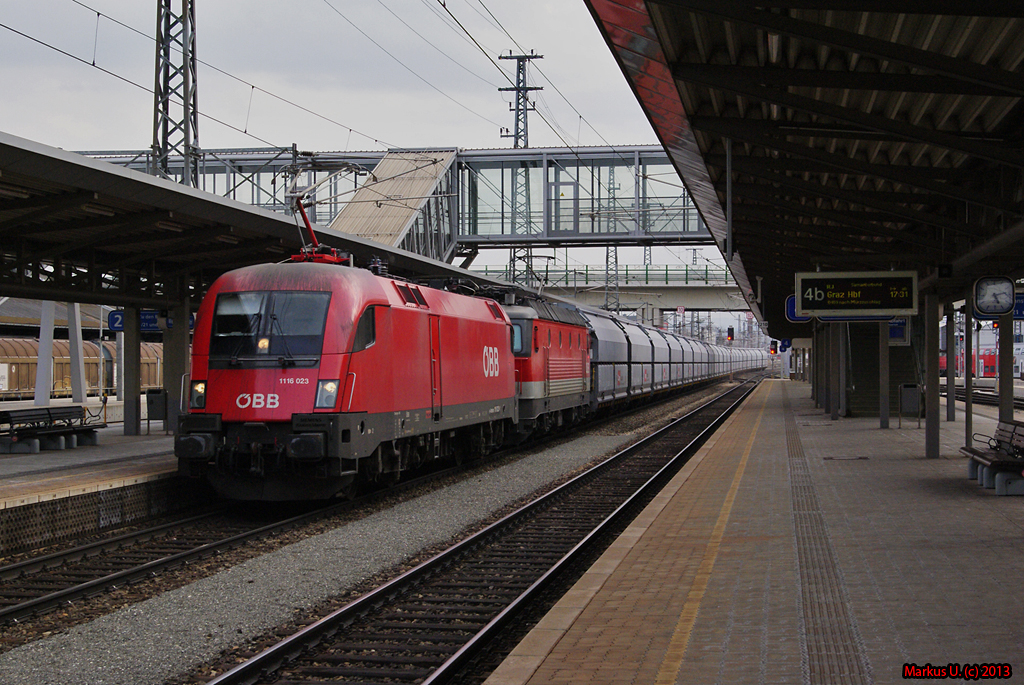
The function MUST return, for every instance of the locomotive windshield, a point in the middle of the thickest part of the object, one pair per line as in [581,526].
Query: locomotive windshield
[269,325]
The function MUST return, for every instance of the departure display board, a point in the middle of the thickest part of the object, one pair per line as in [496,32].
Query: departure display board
[856,293]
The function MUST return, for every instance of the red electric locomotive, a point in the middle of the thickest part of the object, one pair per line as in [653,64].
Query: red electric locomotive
[552,350]
[307,375]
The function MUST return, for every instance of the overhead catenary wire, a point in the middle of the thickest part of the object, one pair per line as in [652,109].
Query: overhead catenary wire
[555,128]
[407,67]
[431,7]
[551,124]
[439,50]
[376,141]
[547,113]
[127,80]
[254,88]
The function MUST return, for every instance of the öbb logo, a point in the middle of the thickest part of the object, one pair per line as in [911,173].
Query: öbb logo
[258,401]
[491,365]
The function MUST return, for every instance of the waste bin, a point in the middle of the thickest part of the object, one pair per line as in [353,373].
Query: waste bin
[156,404]
[910,401]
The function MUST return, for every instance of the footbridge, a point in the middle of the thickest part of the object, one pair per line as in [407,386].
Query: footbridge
[647,288]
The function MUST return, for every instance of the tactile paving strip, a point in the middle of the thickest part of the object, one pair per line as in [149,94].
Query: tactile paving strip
[835,651]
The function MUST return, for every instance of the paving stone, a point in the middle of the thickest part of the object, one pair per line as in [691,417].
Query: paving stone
[831,567]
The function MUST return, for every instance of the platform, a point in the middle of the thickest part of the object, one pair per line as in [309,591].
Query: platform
[117,461]
[796,549]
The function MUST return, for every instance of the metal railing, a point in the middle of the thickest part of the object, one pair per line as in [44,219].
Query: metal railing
[643,274]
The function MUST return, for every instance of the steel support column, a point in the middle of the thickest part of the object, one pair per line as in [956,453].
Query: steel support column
[931,375]
[950,365]
[834,359]
[132,372]
[883,374]
[1006,367]
[176,360]
[44,360]
[79,391]
[969,371]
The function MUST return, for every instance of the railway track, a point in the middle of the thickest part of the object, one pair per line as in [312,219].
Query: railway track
[443,616]
[983,397]
[40,584]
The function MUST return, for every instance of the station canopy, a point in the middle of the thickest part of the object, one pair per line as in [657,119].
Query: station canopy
[864,135]
[79,230]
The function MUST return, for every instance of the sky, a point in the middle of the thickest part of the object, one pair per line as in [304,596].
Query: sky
[325,75]
[376,73]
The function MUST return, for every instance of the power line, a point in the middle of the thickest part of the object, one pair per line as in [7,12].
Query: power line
[407,67]
[451,59]
[547,78]
[431,7]
[126,80]
[546,120]
[252,86]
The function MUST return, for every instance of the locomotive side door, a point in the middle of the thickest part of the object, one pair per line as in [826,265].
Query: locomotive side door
[435,366]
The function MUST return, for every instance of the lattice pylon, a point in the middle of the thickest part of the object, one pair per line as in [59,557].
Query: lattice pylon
[175,91]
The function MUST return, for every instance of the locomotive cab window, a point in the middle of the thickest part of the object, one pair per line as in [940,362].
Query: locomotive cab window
[272,324]
[520,348]
[238,315]
[366,330]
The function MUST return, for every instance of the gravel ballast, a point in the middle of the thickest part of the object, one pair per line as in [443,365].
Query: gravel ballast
[168,635]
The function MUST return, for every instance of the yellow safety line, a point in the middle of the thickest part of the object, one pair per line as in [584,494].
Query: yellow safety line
[673,662]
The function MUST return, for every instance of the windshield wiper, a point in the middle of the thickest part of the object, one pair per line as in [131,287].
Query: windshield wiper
[287,359]
[253,328]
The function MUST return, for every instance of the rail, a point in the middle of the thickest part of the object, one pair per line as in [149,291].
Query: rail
[393,634]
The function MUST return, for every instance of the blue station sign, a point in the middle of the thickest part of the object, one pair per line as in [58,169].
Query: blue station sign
[791,311]
[149,321]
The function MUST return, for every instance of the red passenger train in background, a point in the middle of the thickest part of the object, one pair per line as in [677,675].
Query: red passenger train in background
[986,362]
[309,377]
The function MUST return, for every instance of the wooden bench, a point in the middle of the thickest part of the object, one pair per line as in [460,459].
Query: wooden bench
[55,428]
[1000,463]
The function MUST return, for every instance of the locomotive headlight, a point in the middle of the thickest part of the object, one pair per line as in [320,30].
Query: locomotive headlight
[197,400]
[263,344]
[326,394]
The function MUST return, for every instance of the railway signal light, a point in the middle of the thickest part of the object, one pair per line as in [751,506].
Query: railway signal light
[775,347]
[729,333]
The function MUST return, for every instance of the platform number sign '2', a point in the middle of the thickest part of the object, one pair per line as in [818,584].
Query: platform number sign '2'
[491,365]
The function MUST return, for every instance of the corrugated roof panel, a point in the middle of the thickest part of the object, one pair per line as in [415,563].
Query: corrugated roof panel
[17,311]
[388,202]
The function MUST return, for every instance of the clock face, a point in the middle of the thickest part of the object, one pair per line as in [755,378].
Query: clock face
[994,295]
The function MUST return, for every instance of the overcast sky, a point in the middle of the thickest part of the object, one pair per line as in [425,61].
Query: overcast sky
[375,74]
[398,73]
